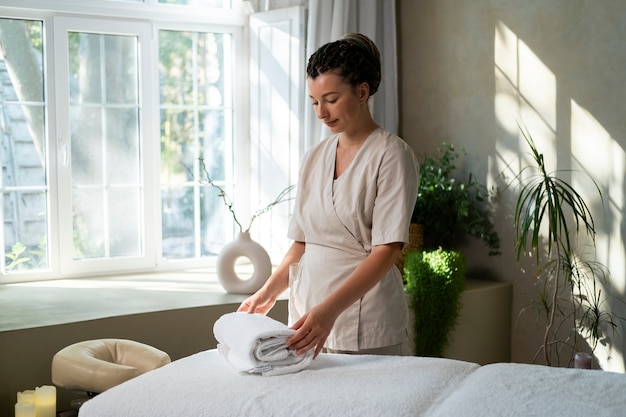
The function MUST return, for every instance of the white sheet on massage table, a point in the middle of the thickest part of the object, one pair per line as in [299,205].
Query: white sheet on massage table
[333,385]
[513,389]
[343,385]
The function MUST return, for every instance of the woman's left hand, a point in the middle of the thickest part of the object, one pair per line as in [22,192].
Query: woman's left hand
[313,328]
[312,331]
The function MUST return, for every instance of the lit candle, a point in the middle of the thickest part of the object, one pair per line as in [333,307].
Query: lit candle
[26,396]
[25,409]
[46,401]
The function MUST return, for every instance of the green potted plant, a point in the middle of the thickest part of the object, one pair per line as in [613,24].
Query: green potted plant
[549,217]
[434,282]
[450,209]
[446,211]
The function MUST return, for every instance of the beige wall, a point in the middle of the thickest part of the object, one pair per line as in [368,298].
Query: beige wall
[470,70]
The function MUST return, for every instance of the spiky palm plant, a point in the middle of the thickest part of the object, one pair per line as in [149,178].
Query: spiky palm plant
[570,290]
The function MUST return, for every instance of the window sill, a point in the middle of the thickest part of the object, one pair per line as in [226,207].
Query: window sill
[47,303]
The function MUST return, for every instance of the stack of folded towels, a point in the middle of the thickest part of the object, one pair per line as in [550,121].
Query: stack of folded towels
[256,344]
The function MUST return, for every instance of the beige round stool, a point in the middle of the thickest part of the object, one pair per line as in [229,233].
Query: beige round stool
[97,365]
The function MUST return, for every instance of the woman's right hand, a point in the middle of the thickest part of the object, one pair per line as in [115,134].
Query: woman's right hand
[264,299]
[259,303]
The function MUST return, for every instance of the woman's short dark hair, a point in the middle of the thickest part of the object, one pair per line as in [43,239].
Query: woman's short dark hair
[354,57]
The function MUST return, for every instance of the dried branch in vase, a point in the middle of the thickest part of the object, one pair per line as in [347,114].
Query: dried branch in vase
[283,196]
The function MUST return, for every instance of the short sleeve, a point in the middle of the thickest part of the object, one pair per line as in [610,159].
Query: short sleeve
[397,183]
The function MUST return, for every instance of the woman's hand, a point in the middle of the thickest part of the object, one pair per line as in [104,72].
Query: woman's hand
[315,326]
[264,299]
[312,330]
[259,302]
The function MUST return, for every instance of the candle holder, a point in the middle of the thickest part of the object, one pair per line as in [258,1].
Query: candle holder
[582,360]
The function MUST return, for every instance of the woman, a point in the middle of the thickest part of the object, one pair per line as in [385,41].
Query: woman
[356,194]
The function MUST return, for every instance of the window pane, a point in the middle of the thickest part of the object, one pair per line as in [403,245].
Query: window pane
[196,115]
[87,128]
[178,222]
[123,147]
[178,142]
[23,186]
[123,220]
[88,223]
[104,124]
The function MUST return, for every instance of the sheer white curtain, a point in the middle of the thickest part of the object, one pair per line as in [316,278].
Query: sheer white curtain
[328,20]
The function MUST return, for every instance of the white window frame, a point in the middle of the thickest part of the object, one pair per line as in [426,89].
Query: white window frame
[112,16]
[68,266]
[276,115]
[241,128]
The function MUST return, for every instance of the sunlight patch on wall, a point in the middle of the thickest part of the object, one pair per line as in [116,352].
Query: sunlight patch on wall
[616,246]
[590,144]
[506,77]
[526,94]
[574,143]
[537,85]
[506,100]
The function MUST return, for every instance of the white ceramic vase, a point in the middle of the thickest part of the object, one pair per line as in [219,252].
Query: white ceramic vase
[243,246]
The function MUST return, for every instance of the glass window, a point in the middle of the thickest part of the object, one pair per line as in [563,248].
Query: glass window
[110,128]
[196,131]
[111,104]
[23,152]
[104,142]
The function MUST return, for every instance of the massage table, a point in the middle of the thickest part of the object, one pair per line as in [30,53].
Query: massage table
[204,384]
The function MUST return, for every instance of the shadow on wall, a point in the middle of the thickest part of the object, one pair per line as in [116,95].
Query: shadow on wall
[472,72]
[571,134]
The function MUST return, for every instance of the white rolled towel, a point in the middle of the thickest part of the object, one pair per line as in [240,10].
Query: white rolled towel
[256,344]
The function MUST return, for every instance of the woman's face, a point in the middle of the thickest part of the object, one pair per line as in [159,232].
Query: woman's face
[336,103]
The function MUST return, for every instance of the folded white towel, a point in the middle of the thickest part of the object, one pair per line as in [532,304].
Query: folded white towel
[255,343]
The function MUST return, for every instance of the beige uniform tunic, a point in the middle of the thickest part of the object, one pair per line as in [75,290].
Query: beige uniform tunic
[340,220]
